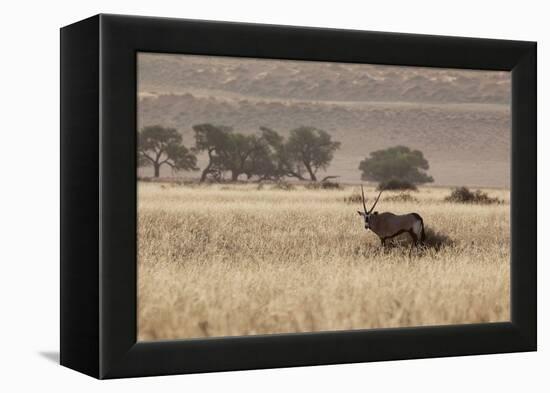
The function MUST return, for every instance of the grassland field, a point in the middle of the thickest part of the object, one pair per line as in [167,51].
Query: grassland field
[239,259]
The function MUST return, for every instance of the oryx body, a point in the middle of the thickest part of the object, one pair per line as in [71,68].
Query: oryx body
[388,225]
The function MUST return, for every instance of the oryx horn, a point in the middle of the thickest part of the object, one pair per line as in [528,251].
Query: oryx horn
[375,202]
[363,195]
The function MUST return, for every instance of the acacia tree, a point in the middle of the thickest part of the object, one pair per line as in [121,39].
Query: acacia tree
[309,149]
[267,156]
[212,139]
[227,151]
[269,161]
[396,163]
[158,146]
[305,152]
[239,152]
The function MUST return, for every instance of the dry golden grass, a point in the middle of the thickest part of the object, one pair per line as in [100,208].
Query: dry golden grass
[229,260]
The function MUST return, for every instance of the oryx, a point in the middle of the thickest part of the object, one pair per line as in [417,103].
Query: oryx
[388,225]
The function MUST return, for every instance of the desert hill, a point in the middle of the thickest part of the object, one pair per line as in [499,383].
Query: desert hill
[460,119]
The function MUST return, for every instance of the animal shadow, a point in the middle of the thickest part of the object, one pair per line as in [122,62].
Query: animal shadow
[435,240]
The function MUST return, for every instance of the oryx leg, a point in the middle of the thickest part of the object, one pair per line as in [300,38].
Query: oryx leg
[414,237]
[414,240]
[417,231]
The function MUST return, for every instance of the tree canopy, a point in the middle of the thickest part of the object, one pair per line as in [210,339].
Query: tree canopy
[266,161]
[239,153]
[158,146]
[307,150]
[267,155]
[399,163]
[227,151]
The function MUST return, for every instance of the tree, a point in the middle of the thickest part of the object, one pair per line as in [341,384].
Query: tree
[227,151]
[158,146]
[396,163]
[238,153]
[262,164]
[267,156]
[308,149]
[268,161]
[213,140]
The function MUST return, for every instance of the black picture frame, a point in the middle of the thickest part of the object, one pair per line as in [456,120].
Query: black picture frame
[98,196]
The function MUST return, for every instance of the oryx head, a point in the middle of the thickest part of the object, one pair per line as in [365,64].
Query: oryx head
[366,214]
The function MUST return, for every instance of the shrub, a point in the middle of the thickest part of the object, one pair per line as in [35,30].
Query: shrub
[464,195]
[188,183]
[324,185]
[436,240]
[283,185]
[396,184]
[312,186]
[329,185]
[353,198]
[402,197]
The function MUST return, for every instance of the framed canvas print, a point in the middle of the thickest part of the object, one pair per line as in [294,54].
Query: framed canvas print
[239,196]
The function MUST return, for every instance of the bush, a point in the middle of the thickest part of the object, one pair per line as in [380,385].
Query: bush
[464,195]
[354,198]
[324,185]
[283,185]
[396,184]
[436,240]
[329,185]
[402,197]
[312,186]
